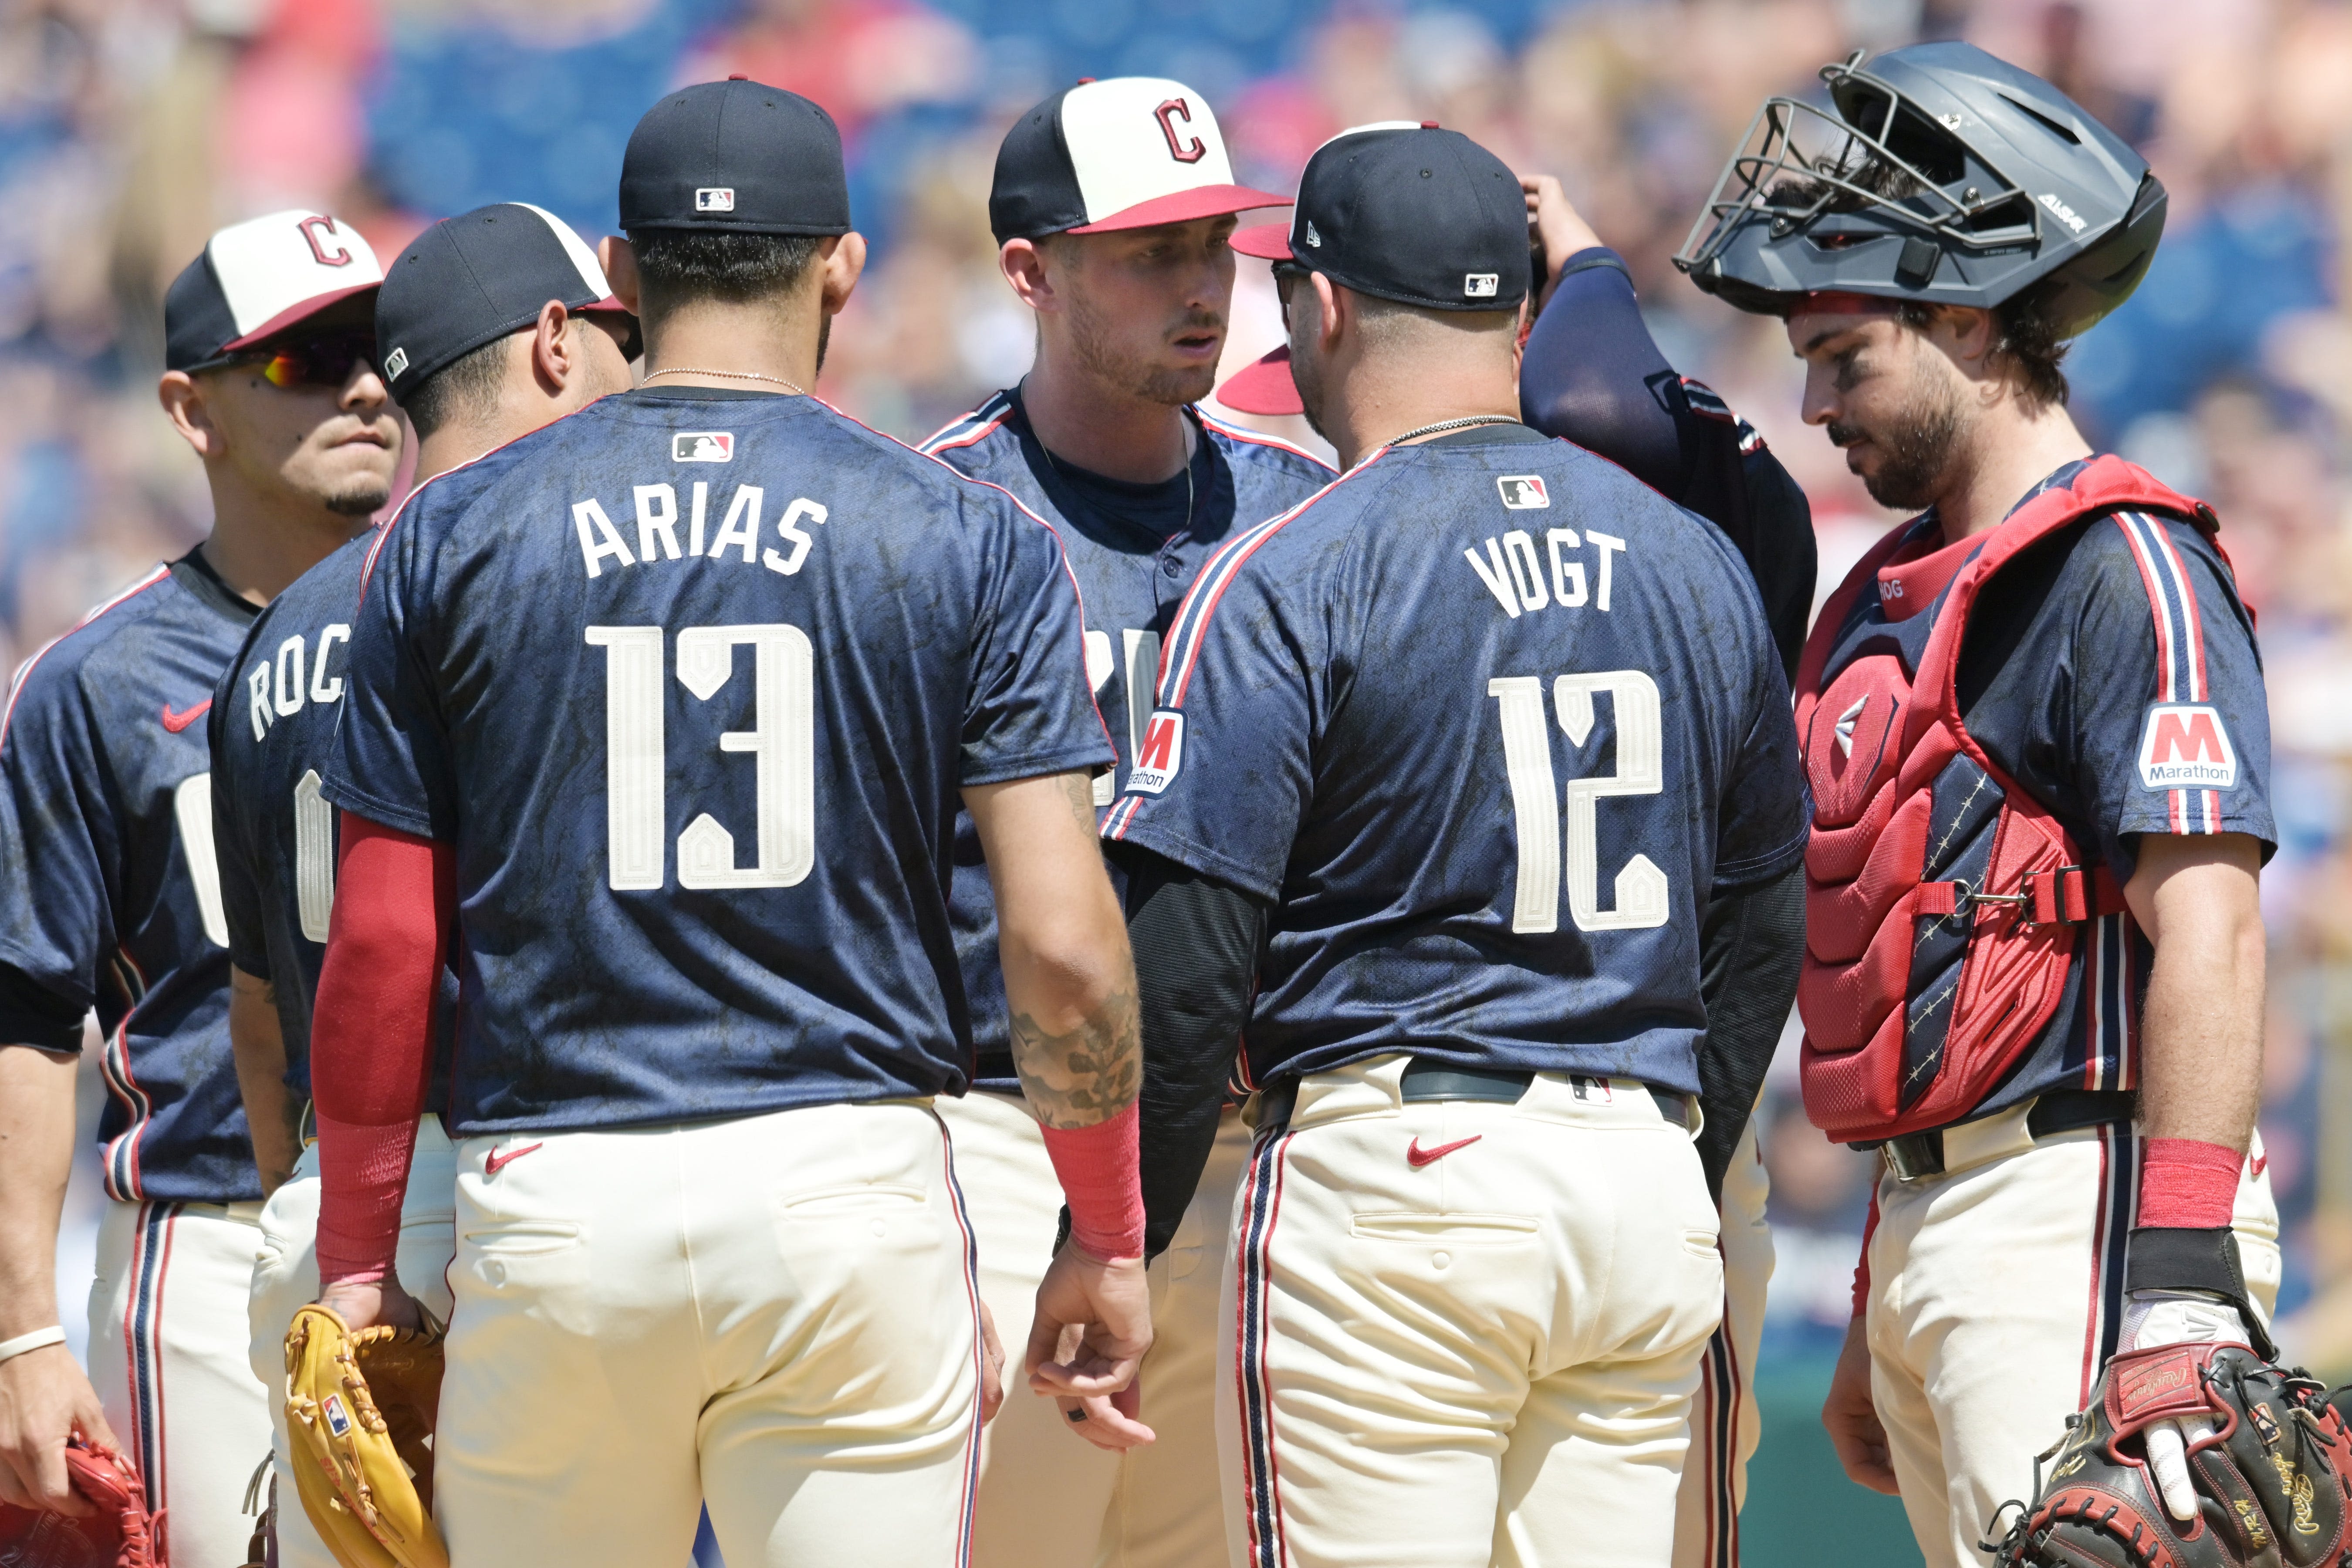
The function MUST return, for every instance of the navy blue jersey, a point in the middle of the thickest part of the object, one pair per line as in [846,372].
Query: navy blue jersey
[272,735]
[2077,653]
[692,681]
[1134,548]
[1488,722]
[109,895]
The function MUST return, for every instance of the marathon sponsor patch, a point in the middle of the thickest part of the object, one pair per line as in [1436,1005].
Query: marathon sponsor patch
[702,447]
[2185,745]
[1523,492]
[1162,755]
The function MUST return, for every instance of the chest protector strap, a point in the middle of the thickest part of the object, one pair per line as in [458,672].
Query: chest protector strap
[1944,904]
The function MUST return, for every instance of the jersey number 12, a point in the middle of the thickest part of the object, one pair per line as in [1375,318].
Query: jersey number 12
[1641,886]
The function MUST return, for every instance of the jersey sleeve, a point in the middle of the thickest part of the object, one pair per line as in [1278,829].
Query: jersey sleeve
[391,761]
[2170,722]
[1226,773]
[61,860]
[1767,808]
[1031,711]
[233,844]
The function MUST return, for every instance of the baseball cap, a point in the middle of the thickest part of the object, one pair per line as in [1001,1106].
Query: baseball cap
[478,277]
[739,157]
[1407,212]
[1125,152]
[260,278]
[1264,386]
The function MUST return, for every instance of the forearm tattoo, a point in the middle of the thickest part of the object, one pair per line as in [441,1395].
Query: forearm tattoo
[1090,1073]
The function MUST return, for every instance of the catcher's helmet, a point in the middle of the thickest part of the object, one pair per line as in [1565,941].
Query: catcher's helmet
[1941,175]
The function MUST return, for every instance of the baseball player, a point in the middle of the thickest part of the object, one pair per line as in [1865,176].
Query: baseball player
[662,714]
[2036,734]
[1475,1261]
[109,897]
[491,325]
[1112,205]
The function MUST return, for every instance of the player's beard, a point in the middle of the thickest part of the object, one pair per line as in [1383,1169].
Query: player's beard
[362,495]
[1306,374]
[1095,337]
[1916,449]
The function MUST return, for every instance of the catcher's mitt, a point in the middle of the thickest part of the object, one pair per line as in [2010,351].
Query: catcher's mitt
[122,1533]
[359,1408]
[2269,1470]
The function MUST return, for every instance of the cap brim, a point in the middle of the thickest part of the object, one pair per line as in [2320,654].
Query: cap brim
[295,315]
[635,344]
[1269,241]
[1263,386]
[1184,207]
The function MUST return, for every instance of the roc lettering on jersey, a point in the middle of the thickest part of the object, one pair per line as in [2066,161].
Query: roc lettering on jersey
[277,687]
[2185,745]
[1162,755]
[656,514]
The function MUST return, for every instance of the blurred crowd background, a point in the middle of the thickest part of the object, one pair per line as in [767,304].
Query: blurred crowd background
[128,129]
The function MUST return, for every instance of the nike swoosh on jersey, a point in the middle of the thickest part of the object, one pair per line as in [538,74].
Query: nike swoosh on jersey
[175,722]
[494,1161]
[1416,1157]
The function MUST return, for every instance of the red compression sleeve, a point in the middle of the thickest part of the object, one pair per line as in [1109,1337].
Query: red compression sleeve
[2187,1183]
[372,1036]
[1861,1264]
[1098,1167]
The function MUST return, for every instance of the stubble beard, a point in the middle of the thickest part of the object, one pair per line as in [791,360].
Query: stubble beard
[1098,348]
[1918,449]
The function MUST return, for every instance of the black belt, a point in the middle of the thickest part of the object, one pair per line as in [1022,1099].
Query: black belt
[1427,1081]
[1917,1154]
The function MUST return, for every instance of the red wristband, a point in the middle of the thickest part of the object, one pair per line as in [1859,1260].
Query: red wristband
[367,1169]
[2187,1183]
[1098,1167]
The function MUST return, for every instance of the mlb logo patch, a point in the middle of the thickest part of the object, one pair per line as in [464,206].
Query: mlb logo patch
[702,447]
[1480,285]
[715,199]
[1523,492]
[394,363]
[2185,745]
[1161,756]
[339,1420]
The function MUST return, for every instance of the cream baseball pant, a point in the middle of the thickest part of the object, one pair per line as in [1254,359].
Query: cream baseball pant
[1725,1426]
[285,1278]
[167,1355]
[1996,1298]
[773,1316]
[1463,1333]
[1049,1499]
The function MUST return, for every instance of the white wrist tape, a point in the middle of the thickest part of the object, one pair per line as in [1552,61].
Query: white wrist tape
[38,1340]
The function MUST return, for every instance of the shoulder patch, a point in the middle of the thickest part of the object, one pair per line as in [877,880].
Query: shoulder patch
[2185,745]
[1162,755]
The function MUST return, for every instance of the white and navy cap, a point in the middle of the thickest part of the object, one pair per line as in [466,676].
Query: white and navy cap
[1125,152]
[1407,212]
[256,279]
[476,277]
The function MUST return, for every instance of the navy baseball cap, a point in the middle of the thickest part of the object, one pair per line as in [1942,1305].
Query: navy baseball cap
[258,279]
[1125,152]
[1410,213]
[475,277]
[738,157]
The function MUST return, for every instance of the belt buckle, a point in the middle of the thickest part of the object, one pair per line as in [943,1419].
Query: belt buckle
[1915,1155]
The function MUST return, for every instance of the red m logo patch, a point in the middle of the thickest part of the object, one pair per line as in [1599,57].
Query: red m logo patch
[2185,745]
[1163,754]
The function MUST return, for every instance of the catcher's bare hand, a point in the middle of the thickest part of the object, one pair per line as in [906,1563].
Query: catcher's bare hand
[1558,226]
[1108,1305]
[45,1398]
[991,1367]
[365,1305]
[1853,1419]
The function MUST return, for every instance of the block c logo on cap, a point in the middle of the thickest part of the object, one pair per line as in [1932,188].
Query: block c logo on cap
[311,227]
[702,447]
[1480,285]
[1162,755]
[714,199]
[1191,148]
[2185,745]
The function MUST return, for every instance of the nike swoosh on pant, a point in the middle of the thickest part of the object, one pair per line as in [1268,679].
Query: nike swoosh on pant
[495,1161]
[1416,1157]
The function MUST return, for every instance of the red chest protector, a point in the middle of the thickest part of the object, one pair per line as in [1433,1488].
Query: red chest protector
[1896,1039]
